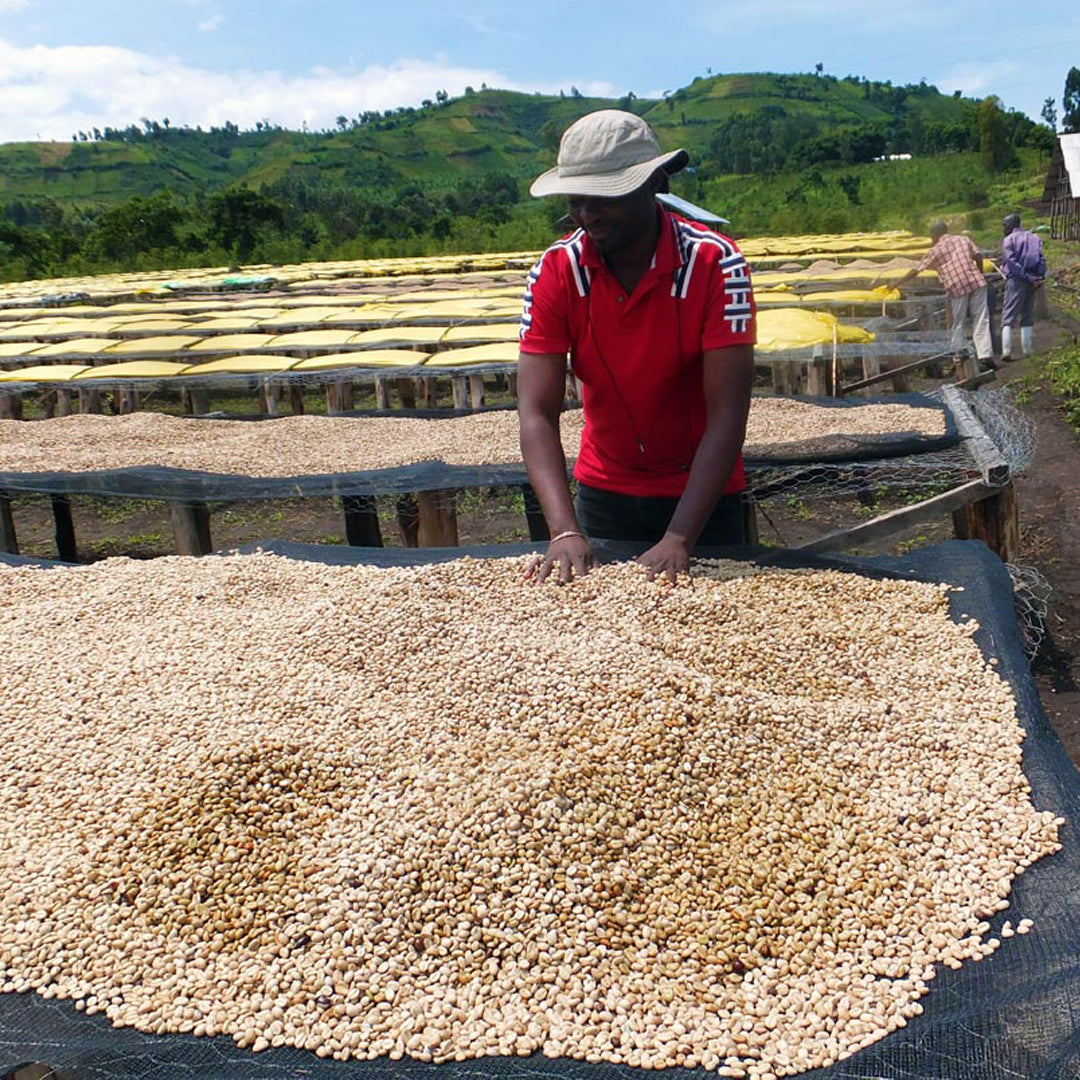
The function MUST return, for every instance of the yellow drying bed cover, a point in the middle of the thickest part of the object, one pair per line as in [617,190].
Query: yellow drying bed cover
[794,328]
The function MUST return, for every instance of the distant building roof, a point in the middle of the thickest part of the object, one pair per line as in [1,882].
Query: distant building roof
[688,209]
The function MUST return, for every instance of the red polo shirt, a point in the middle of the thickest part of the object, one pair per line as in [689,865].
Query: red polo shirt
[639,357]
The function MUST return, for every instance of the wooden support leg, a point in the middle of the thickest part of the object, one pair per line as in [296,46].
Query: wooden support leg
[200,401]
[64,529]
[63,402]
[428,393]
[511,382]
[8,540]
[538,529]
[460,386]
[406,389]
[191,527]
[994,520]
[476,391]
[819,381]
[90,401]
[11,407]
[573,391]
[296,399]
[48,404]
[967,367]
[382,394]
[438,519]
[750,526]
[361,521]
[408,519]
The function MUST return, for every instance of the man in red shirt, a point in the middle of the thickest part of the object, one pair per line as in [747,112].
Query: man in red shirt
[657,316]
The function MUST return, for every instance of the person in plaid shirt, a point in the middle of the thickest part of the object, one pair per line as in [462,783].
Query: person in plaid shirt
[959,267]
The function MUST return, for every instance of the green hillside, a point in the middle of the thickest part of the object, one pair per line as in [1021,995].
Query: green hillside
[453,174]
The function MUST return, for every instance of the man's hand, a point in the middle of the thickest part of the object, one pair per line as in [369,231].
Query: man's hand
[570,554]
[669,557]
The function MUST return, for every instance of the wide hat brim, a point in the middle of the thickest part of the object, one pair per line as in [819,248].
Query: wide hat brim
[608,184]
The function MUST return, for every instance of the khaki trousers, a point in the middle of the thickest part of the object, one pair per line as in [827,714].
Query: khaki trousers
[973,304]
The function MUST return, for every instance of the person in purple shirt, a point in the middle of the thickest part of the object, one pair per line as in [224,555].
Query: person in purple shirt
[1024,267]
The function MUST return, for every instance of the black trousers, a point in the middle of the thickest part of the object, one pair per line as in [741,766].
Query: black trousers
[608,515]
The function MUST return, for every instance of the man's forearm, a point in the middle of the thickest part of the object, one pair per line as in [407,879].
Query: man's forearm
[541,449]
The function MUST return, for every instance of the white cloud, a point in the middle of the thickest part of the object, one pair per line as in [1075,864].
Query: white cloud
[212,23]
[974,78]
[9,7]
[49,93]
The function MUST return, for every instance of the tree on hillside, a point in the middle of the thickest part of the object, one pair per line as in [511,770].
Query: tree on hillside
[1070,102]
[1049,113]
[141,223]
[994,145]
[238,215]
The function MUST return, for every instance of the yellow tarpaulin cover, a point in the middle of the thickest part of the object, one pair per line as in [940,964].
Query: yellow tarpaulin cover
[490,332]
[313,339]
[364,358]
[134,369]
[240,364]
[19,348]
[780,298]
[405,335]
[464,309]
[502,352]
[231,342]
[793,328]
[86,346]
[171,344]
[303,315]
[221,326]
[44,373]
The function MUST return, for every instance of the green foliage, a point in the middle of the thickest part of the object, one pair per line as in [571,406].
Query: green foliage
[1062,367]
[1070,101]
[452,175]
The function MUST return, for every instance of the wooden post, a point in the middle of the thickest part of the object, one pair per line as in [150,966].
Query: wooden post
[476,391]
[296,399]
[534,515]
[573,391]
[63,402]
[382,394]
[428,395]
[438,519]
[48,404]
[460,386]
[191,527]
[89,401]
[819,375]
[64,529]
[199,401]
[8,540]
[750,525]
[361,521]
[511,383]
[967,367]
[994,520]
[406,389]
[11,407]
[408,519]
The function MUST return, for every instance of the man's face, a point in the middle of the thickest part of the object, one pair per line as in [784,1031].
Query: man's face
[614,225]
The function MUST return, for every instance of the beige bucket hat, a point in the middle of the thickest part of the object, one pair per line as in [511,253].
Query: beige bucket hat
[606,153]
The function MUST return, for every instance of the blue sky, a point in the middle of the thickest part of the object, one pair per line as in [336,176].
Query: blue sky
[67,65]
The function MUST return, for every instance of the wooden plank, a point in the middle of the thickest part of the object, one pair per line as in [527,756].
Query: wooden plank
[296,399]
[191,528]
[892,373]
[382,393]
[994,520]
[460,386]
[361,521]
[818,375]
[895,520]
[90,401]
[476,391]
[438,525]
[406,389]
[63,403]
[8,540]
[988,459]
[63,528]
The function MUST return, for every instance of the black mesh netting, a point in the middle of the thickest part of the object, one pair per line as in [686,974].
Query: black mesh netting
[1015,1016]
[186,485]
